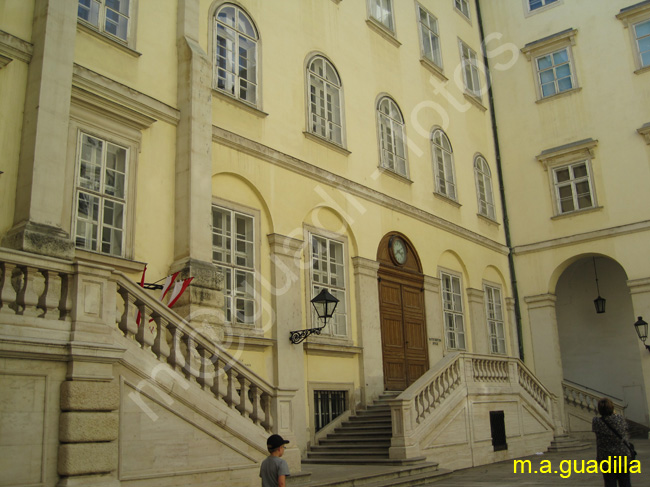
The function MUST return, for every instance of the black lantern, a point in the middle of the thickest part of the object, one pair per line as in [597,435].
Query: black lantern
[599,302]
[324,304]
[642,330]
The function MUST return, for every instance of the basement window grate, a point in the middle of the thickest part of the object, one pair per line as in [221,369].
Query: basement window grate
[328,405]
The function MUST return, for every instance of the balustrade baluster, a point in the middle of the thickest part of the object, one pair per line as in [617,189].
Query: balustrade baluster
[243,406]
[205,372]
[217,387]
[7,291]
[256,414]
[190,369]
[267,422]
[160,344]
[33,290]
[231,392]
[18,285]
[51,297]
[65,305]
[176,358]
[143,336]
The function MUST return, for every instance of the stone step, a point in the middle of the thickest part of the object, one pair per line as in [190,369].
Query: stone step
[350,447]
[360,440]
[565,443]
[364,461]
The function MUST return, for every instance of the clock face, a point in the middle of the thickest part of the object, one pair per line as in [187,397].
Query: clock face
[398,249]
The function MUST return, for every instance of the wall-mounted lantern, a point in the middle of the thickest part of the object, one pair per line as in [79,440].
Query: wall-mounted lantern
[641,328]
[324,304]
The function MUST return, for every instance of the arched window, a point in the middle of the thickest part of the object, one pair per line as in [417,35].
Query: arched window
[325,118]
[443,165]
[235,65]
[391,136]
[484,188]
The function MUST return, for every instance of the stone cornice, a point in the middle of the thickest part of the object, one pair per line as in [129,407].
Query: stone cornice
[283,245]
[240,143]
[12,47]
[582,149]
[550,43]
[540,301]
[582,238]
[633,13]
[110,95]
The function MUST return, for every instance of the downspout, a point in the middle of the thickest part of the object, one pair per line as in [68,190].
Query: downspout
[497,150]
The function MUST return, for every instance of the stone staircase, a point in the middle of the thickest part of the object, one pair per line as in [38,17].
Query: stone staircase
[637,431]
[564,443]
[363,439]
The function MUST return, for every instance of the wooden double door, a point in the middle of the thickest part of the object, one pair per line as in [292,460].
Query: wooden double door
[403,330]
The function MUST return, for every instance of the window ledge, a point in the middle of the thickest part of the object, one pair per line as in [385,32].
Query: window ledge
[433,67]
[246,339]
[107,38]
[476,101]
[118,263]
[560,95]
[447,199]
[383,31]
[238,103]
[344,348]
[642,70]
[488,220]
[327,143]
[391,173]
[576,212]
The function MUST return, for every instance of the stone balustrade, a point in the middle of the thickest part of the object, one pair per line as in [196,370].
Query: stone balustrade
[586,399]
[44,289]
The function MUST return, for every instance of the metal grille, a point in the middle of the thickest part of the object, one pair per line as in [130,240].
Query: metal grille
[498,428]
[327,406]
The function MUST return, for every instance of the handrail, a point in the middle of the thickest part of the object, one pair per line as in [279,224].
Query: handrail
[578,396]
[586,388]
[43,287]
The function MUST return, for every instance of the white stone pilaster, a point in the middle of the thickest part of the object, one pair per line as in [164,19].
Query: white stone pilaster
[38,216]
[478,322]
[546,348]
[289,359]
[369,326]
[640,294]
[433,314]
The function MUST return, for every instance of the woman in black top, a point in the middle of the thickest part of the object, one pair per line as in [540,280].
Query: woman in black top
[608,443]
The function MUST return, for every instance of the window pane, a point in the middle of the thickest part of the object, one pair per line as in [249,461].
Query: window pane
[564,84]
[560,57]
[544,62]
[579,171]
[642,29]
[88,10]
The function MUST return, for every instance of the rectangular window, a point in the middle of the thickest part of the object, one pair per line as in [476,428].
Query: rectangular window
[536,4]
[462,6]
[555,72]
[109,16]
[233,251]
[382,12]
[328,272]
[573,187]
[429,37]
[470,70]
[642,36]
[452,306]
[100,196]
[494,313]
[328,405]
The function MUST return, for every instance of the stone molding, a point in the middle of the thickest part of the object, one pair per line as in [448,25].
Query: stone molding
[541,301]
[575,151]
[639,286]
[285,246]
[475,295]
[266,153]
[12,47]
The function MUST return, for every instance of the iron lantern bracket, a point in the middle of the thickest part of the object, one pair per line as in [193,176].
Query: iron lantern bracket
[299,335]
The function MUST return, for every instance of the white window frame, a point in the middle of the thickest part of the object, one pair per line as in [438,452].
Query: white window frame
[429,36]
[484,193]
[97,24]
[223,71]
[471,72]
[386,18]
[463,7]
[494,315]
[453,311]
[549,46]
[573,183]
[443,165]
[570,156]
[328,119]
[392,137]
[250,270]
[338,326]
[102,196]
[546,5]
[631,18]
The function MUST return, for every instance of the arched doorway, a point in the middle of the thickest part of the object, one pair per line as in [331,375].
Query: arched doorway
[401,310]
[600,350]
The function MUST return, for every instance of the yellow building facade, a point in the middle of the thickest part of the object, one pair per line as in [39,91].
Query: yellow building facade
[270,150]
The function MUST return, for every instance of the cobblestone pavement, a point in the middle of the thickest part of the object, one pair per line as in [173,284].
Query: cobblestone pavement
[502,474]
